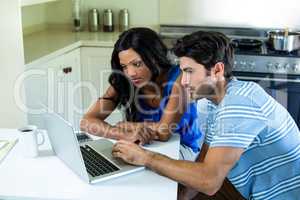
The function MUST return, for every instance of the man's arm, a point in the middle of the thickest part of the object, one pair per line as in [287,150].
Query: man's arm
[187,192]
[206,177]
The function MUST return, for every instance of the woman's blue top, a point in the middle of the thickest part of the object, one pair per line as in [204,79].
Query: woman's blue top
[187,127]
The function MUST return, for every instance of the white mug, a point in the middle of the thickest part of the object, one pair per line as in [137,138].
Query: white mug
[29,140]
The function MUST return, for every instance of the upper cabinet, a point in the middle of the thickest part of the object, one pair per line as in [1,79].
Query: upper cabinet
[32,2]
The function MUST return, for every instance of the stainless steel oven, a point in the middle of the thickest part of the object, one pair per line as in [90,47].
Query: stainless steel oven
[282,87]
[277,72]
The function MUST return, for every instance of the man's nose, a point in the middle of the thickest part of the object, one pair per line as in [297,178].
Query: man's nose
[185,80]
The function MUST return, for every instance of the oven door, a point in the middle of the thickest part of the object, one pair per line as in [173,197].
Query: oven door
[282,87]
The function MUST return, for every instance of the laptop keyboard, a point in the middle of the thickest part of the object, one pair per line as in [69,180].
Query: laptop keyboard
[95,163]
[82,137]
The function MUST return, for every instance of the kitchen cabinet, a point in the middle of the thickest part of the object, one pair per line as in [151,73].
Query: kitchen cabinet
[55,84]
[32,2]
[68,84]
[71,94]
[96,68]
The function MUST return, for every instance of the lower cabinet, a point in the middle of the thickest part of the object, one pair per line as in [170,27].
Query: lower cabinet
[56,86]
[95,71]
[68,85]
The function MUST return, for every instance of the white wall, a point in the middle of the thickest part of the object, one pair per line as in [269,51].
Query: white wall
[11,62]
[243,13]
[141,12]
[59,12]
[33,15]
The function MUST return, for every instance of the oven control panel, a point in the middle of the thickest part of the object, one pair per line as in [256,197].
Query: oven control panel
[267,64]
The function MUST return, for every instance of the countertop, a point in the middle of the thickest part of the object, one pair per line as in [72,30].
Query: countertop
[44,45]
[46,177]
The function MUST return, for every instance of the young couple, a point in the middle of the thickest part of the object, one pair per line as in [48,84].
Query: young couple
[147,87]
[251,141]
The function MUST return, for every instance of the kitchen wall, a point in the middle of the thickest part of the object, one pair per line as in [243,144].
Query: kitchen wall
[243,13]
[60,12]
[11,63]
[34,18]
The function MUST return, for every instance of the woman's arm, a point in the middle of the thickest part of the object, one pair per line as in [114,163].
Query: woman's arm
[171,115]
[172,112]
[93,121]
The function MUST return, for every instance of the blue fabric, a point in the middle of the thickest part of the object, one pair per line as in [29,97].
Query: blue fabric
[248,118]
[187,127]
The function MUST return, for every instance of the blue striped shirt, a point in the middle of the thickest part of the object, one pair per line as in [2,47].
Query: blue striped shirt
[249,118]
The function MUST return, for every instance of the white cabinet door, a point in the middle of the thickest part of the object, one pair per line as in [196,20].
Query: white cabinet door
[96,68]
[41,85]
[55,84]
[71,88]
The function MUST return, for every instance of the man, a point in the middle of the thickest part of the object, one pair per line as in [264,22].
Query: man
[250,138]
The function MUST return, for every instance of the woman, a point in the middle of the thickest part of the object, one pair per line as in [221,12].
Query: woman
[147,87]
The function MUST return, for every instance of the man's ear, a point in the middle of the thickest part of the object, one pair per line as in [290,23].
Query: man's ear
[218,70]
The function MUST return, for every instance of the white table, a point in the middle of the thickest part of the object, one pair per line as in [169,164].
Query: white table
[46,177]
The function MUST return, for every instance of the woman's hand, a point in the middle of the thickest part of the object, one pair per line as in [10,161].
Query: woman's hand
[128,125]
[137,132]
[140,135]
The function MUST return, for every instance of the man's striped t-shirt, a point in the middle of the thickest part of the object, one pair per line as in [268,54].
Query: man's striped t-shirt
[249,118]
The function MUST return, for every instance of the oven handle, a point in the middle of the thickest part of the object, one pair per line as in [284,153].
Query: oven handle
[267,79]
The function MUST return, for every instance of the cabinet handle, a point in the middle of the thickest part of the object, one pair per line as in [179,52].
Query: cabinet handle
[67,70]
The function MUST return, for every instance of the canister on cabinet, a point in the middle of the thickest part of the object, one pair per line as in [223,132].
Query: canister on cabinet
[123,20]
[94,20]
[108,21]
[77,15]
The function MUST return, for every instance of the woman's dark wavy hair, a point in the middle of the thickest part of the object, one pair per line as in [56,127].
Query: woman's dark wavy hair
[153,52]
[207,48]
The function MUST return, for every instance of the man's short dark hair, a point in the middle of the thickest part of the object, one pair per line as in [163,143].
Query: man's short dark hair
[207,48]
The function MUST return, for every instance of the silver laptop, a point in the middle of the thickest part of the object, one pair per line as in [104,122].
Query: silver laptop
[92,160]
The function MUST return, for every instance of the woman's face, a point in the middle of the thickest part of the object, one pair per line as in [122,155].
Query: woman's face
[134,67]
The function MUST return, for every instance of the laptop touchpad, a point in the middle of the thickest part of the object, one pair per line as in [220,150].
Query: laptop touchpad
[104,147]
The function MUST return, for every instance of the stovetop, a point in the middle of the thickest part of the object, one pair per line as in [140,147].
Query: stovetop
[266,50]
[259,60]
[264,59]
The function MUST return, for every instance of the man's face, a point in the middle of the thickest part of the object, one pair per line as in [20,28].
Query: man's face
[198,82]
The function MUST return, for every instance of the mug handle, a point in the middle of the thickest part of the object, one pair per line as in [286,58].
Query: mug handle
[40,132]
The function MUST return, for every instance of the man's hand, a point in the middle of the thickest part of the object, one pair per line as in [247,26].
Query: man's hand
[131,153]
